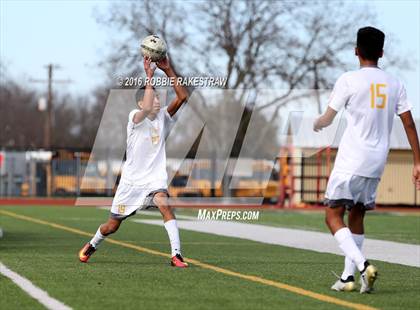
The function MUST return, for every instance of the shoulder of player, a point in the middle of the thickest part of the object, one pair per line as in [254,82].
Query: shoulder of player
[393,80]
[130,121]
[348,74]
[131,114]
[344,77]
[397,80]
[342,80]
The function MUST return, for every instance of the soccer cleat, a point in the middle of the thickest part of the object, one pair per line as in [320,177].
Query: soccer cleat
[344,285]
[367,278]
[178,261]
[86,252]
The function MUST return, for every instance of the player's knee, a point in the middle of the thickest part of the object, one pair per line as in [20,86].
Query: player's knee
[357,214]
[161,201]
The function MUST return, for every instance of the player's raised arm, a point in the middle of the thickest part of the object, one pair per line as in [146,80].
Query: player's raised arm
[146,105]
[410,130]
[181,92]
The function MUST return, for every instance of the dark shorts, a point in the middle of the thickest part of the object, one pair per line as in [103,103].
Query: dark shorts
[348,203]
[147,204]
[344,189]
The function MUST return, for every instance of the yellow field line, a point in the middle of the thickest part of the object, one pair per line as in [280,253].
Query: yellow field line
[283,286]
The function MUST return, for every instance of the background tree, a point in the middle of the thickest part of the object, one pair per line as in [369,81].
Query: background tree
[296,49]
[282,45]
[21,122]
[76,119]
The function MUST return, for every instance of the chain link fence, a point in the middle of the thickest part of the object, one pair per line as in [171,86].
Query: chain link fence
[290,181]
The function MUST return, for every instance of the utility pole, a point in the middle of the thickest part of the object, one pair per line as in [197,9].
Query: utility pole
[316,87]
[49,115]
[48,125]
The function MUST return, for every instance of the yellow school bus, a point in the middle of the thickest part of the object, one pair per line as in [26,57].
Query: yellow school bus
[262,183]
[196,185]
[199,183]
[69,171]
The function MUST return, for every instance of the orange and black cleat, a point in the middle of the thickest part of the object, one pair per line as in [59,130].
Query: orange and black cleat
[86,252]
[178,261]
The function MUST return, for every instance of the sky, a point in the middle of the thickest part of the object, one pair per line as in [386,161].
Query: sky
[35,33]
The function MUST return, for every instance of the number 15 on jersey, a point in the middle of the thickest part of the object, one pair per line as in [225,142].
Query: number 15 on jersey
[376,94]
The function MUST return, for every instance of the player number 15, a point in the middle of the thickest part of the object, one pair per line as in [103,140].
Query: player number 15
[375,93]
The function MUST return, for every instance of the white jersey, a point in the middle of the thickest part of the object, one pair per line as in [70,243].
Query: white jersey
[371,98]
[146,156]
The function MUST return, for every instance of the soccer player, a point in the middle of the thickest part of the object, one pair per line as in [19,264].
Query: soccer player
[144,177]
[370,97]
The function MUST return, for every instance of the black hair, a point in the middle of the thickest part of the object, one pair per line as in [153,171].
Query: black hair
[140,93]
[370,43]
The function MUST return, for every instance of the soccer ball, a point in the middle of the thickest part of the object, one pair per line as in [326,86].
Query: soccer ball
[153,47]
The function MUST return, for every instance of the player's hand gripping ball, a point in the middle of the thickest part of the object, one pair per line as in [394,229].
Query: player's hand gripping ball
[154,48]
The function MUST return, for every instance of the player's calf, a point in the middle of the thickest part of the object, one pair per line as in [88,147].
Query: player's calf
[161,201]
[110,227]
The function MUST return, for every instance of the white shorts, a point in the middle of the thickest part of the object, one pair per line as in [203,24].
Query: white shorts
[348,190]
[130,198]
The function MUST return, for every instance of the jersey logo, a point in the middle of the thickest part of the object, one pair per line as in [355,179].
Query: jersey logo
[376,95]
[121,209]
[154,135]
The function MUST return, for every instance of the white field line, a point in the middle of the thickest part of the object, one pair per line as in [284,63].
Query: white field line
[35,292]
[387,251]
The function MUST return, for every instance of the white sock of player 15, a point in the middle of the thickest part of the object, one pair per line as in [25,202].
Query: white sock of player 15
[348,246]
[349,266]
[173,233]
[97,239]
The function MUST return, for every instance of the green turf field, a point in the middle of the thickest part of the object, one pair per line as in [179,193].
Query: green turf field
[125,278]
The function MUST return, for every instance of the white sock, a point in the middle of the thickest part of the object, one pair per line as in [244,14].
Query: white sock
[97,239]
[349,247]
[349,266]
[173,234]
